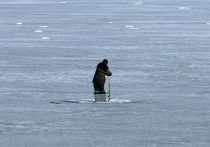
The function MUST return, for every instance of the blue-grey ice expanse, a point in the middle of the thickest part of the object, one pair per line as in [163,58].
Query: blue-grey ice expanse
[158,51]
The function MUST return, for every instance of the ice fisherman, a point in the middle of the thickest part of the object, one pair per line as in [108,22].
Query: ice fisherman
[99,79]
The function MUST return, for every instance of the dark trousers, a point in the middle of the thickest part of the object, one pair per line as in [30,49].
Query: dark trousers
[98,86]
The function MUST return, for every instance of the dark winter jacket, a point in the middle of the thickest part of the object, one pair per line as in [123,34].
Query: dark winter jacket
[101,70]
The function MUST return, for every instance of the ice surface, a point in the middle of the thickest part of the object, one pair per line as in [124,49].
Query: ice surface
[158,52]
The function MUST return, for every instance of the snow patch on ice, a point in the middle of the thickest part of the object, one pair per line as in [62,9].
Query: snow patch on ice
[138,3]
[129,26]
[120,101]
[132,27]
[43,26]
[38,31]
[183,8]
[63,2]
[45,38]
[93,101]
[19,23]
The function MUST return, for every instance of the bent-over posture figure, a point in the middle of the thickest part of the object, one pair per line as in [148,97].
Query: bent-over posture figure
[99,77]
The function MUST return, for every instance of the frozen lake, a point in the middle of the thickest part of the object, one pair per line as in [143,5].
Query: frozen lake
[158,52]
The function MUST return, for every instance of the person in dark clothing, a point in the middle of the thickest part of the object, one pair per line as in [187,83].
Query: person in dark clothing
[99,77]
